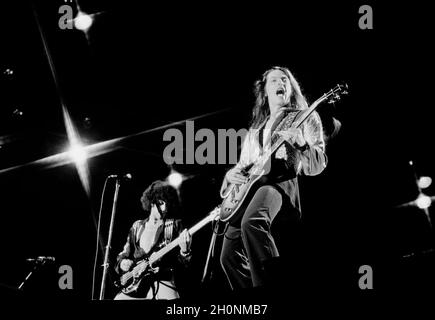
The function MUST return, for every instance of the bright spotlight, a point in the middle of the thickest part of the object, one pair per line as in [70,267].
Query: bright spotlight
[77,154]
[424,182]
[423,201]
[83,21]
[175,179]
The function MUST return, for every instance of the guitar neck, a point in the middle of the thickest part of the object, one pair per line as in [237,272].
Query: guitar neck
[159,254]
[309,111]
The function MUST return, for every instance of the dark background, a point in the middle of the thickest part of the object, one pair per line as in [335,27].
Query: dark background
[142,66]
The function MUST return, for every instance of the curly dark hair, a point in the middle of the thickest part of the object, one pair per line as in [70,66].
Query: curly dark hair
[161,191]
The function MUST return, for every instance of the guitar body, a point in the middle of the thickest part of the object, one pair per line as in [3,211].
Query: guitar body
[234,204]
[133,286]
[136,279]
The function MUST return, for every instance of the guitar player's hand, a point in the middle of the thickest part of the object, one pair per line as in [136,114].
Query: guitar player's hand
[235,176]
[125,264]
[153,267]
[186,241]
[294,136]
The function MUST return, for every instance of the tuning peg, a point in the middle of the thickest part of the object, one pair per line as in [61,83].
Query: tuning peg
[345,88]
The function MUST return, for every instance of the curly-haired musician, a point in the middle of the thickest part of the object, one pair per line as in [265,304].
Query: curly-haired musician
[161,202]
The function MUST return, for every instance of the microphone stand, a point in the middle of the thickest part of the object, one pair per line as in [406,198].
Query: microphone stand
[36,265]
[210,253]
[109,240]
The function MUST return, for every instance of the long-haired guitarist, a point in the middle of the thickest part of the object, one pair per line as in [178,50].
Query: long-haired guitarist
[161,202]
[248,241]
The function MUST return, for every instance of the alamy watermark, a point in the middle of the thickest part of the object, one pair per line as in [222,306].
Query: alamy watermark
[66,278]
[67,15]
[227,142]
[366,280]
[366,18]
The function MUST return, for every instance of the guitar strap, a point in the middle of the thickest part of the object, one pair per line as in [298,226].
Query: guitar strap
[282,123]
[169,230]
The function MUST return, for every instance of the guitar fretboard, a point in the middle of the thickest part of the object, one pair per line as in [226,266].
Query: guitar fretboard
[159,254]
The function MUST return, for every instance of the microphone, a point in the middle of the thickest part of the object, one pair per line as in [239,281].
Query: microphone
[126,176]
[41,259]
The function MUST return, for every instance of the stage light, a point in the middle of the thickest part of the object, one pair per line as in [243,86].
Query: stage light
[83,21]
[423,201]
[17,112]
[424,182]
[77,154]
[175,179]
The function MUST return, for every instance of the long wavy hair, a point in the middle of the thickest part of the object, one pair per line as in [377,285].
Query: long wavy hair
[261,109]
[161,191]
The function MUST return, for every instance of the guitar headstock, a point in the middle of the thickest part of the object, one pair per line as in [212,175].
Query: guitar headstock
[215,213]
[337,92]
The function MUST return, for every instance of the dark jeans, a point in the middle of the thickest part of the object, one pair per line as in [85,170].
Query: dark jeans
[246,248]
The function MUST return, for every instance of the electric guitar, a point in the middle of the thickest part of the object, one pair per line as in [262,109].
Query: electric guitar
[130,281]
[235,194]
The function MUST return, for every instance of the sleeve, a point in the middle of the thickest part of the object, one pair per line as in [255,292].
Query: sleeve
[183,258]
[127,251]
[309,159]
[243,162]
[312,156]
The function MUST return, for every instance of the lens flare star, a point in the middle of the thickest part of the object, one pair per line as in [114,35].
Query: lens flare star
[77,152]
